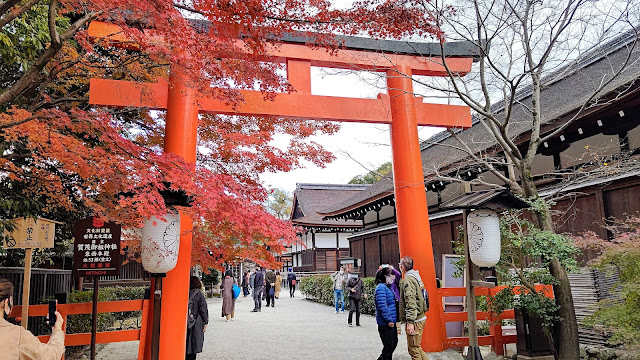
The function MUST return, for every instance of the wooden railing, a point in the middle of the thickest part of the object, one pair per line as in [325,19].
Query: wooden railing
[86,308]
[495,339]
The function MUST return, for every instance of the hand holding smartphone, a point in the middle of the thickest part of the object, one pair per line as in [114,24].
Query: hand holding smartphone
[53,307]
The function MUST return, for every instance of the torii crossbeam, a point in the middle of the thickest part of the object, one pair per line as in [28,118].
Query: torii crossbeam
[399,108]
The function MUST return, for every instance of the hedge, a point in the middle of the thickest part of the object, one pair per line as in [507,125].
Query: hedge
[82,323]
[320,289]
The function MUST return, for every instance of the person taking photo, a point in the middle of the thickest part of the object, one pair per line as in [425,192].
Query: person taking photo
[16,343]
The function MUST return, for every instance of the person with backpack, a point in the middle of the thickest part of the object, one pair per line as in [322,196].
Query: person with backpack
[228,296]
[413,306]
[355,287]
[291,279]
[270,290]
[385,303]
[197,318]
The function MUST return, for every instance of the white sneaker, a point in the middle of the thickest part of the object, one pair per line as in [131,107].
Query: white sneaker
[342,311]
[336,311]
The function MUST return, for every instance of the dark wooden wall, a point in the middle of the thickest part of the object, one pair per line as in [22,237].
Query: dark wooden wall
[321,260]
[584,210]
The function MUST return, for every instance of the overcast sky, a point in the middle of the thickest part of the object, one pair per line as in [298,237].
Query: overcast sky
[367,143]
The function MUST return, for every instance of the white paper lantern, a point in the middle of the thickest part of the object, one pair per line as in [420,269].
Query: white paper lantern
[483,227]
[160,243]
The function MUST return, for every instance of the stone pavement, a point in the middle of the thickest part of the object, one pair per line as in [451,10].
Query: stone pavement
[294,329]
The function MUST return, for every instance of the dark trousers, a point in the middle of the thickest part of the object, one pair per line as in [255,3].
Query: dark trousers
[270,299]
[354,305]
[389,337]
[292,289]
[190,357]
[257,297]
[245,290]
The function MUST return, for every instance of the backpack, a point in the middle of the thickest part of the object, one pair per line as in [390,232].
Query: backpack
[191,319]
[424,293]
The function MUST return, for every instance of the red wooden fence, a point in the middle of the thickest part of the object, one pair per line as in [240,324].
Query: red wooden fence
[496,339]
[86,308]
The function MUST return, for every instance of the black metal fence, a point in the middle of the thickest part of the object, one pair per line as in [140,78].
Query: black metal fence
[44,283]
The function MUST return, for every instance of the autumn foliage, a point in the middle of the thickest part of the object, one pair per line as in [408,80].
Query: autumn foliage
[64,159]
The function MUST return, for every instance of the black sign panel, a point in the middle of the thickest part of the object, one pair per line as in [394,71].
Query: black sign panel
[97,248]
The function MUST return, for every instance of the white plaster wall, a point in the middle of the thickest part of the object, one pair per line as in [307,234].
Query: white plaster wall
[344,243]
[386,212]
[450,191]
[325,240]
[432,198]
[589,149]
[370,217]
[541,164]
[634,138]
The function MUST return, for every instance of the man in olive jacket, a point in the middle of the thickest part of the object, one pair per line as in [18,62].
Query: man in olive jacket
[412,307]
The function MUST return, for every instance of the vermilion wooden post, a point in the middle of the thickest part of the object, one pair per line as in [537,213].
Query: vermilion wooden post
[180,137]
[414,234]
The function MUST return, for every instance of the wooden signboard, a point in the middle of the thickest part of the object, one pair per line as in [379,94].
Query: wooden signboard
[96,248]
[31,234]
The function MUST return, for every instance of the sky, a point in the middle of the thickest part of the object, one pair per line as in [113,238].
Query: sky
[358,147]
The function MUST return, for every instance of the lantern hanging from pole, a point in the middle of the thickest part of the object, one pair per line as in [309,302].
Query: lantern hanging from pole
[483,228]
[160,243]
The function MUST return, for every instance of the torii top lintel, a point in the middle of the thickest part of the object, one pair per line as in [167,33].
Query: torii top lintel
[356,53]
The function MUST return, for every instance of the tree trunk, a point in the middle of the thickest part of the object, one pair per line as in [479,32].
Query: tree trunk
[565,330]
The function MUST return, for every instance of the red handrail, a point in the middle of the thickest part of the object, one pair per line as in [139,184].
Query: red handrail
[496,339]
[86,308]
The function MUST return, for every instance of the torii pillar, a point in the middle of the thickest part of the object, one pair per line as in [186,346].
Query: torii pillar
[400,108]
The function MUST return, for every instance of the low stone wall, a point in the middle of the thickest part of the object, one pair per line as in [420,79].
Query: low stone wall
[599,353]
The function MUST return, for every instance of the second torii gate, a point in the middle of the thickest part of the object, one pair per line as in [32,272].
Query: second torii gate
[399,108]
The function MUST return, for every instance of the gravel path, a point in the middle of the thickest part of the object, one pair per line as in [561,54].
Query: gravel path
[294,329]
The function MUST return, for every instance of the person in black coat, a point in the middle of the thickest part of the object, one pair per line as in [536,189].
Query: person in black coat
[291,279]
[198,306]
[258,289]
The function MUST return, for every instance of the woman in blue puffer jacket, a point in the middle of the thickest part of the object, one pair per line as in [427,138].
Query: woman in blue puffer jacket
[386,313]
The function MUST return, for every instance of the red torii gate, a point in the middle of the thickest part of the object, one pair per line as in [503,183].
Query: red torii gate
[399,108]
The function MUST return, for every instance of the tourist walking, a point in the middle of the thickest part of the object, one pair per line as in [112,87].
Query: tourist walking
[228,301]
[17,343]
[291,279]
[386,313]
[412,307]
[197,319]
[278,285]
[245,284]
[270,280]
[251,279]
[355,288]
[339,279]
[258,289]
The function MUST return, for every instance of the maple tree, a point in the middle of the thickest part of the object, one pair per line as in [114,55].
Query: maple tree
[79,159]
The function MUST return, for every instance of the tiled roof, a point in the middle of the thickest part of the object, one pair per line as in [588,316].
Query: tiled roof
[565,91]
[376,191]
[309,198]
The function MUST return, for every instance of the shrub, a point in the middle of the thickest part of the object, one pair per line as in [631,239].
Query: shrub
[619,314]
[82,323]
[320,289]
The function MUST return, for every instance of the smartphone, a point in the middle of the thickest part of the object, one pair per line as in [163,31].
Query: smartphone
[53,307]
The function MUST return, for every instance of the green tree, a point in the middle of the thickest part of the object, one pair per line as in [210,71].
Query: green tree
[279,203]
[373,176]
